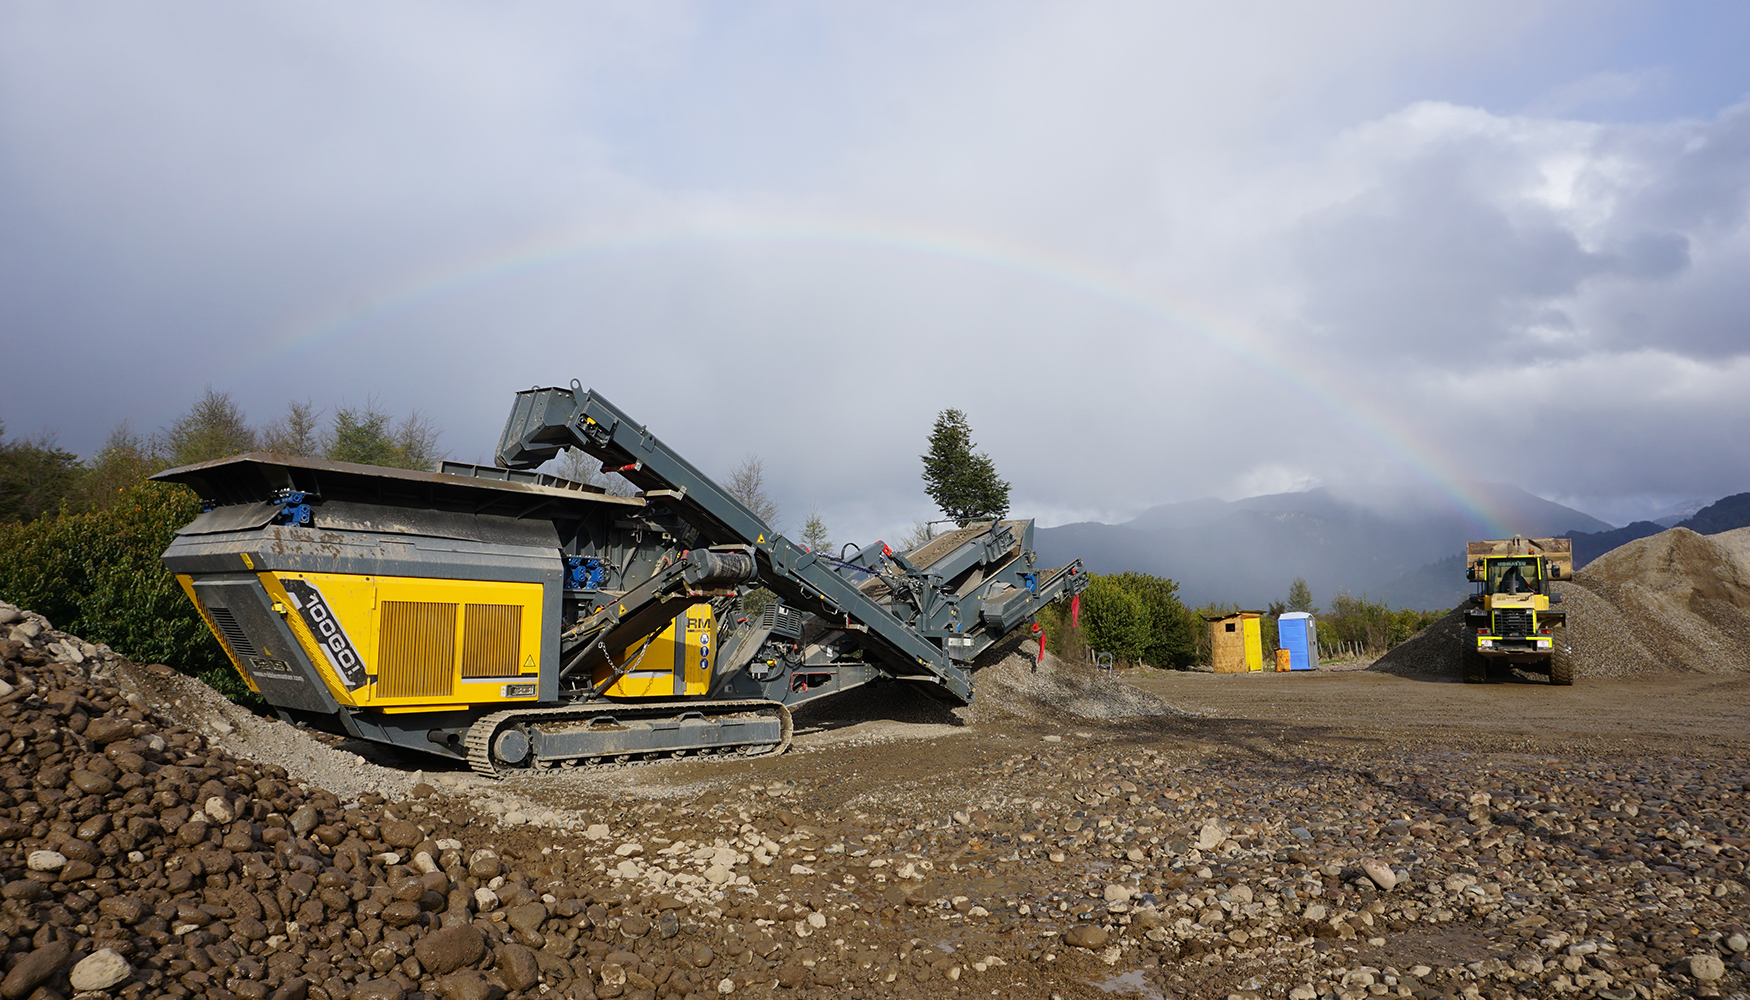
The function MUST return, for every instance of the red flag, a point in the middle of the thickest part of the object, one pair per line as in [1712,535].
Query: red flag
[1075,610]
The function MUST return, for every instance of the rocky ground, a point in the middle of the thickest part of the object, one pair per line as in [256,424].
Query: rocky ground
[1324,835]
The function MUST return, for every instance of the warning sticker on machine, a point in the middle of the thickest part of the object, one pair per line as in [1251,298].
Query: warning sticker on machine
[326,628]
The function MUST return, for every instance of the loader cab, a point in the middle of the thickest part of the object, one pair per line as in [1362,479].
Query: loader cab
[1514,576]
[1509,576]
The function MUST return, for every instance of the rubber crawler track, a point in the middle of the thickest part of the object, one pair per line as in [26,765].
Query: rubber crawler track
[480,734]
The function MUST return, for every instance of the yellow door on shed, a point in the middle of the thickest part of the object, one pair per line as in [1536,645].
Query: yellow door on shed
[1254,644]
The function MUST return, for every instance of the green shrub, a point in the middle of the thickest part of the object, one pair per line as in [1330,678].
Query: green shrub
[1064,641]
[1137,617]
[96,575]
[1370,624]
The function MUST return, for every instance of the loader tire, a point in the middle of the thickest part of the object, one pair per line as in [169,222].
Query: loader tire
[1561,661]
[1476,667]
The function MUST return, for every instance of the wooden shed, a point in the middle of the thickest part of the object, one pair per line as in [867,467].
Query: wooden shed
[1236,642]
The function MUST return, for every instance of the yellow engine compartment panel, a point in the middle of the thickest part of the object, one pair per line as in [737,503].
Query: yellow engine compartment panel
[412,643]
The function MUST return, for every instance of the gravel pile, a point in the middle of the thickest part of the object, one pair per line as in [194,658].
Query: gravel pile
[1682,601]
[1009,684]
[1437,650]
[1013,683]
[1673,601]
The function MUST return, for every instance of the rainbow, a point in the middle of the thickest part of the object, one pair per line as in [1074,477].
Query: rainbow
[570,249]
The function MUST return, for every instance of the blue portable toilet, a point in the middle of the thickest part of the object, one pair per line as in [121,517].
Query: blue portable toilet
[1298,632]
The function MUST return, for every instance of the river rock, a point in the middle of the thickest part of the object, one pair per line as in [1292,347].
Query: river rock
[466,984]
[45,861]
[219,810]
[449,949]
[1088,936]
[378,989]
[526,918]
[1211,835]
[517,966]
[400,833]
[99,971]
[304,819]
[34,969]
[108,729]
[1706,968]
[1380,873]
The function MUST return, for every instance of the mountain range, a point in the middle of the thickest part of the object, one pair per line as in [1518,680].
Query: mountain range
[1405,550]
[1707,519]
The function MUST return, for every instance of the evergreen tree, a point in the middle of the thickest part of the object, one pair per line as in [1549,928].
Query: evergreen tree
[364,436]
[360,436]
[1300,596]
[963,483]
[815,537]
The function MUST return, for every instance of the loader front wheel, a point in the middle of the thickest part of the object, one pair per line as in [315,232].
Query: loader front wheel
[1561,661]
[1476,667]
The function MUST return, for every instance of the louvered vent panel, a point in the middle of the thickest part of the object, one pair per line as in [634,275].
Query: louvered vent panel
[416,650]
[491,637]
[233,632]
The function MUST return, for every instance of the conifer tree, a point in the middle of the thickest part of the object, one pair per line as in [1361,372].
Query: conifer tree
[962,482]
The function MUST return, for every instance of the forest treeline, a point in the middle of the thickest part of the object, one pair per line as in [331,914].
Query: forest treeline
[80,539]
[40,478]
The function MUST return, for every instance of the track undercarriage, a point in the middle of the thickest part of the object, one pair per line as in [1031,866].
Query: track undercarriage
[602,733]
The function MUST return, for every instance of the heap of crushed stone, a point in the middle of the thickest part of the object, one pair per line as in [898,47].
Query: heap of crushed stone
[1013,683]
[1009,683]
[1675,601]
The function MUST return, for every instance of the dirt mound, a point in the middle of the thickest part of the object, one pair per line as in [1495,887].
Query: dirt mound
[1672,601]
[1013,684]
[1681,597]
[1436,650]
[1008,684]
[1676,565]
[1737,543]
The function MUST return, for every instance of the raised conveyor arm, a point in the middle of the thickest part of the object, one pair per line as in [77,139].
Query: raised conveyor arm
[543,421]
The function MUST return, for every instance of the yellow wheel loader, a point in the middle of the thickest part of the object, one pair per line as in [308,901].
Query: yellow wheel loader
[1509,619]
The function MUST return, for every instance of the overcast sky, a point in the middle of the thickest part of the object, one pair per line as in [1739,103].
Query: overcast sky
[1155,251]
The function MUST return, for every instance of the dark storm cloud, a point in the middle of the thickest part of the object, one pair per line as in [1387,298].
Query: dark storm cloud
[1111,232]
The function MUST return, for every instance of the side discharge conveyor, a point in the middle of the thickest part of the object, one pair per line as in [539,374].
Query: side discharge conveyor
[521,621]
